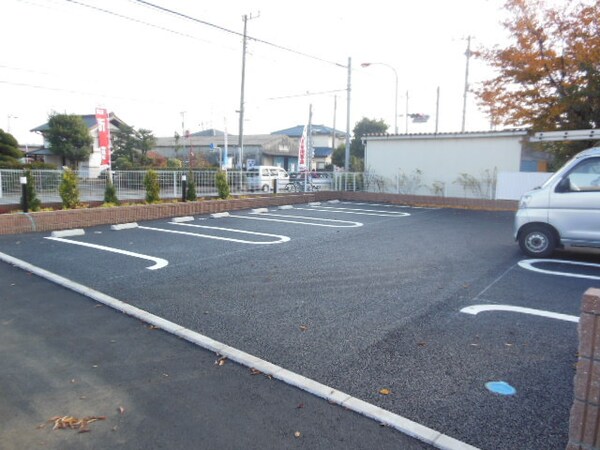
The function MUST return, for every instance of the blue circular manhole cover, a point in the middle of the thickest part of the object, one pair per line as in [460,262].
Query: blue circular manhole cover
[500,387]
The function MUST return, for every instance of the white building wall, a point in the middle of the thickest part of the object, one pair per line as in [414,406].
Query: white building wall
[441,160]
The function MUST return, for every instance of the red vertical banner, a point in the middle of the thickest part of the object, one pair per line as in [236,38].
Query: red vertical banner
[302,152]
[103,135]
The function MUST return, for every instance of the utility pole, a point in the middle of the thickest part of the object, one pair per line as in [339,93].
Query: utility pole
[437,109]
[334,113]
[406,115]
[241,111]
[468,55]
[183,137]
[347,154]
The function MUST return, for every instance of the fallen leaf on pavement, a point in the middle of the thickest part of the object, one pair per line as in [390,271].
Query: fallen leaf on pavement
[254,371]
[303,328]
[121,410]
[221,361]
[300,406]
[385,391]
[74,423]
[422,344]
[297,434]
[153,327]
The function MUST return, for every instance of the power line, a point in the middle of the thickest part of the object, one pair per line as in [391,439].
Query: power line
[142,22]
[218,27]
[73,91]
[306,94]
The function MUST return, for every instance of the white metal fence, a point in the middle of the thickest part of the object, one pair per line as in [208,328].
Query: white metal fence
[129,185]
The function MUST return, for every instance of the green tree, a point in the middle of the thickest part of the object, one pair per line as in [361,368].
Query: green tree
[145,141]
[127,142]
[152,187]
[357,149]
[69,137]
[33,203]
[69,189]
[191,188]
[548,75]
[110,193]
[124,144]
[222,186]
[9,151]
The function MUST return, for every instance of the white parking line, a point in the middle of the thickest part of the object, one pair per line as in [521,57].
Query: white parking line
[476,309]
[385,205]
[280,238]
[159,263]
[528,264]
[380,415]
[351,223]
[359,212]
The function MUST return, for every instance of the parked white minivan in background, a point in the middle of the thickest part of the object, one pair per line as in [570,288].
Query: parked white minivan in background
[564,211]
[262,178]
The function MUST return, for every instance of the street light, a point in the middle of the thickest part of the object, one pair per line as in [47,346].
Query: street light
[396,95]
[8,117]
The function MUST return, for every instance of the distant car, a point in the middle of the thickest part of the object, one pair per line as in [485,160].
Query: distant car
[261,178]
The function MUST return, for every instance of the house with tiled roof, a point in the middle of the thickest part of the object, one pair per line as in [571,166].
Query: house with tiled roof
[280,148]
[90,168]
[324,141]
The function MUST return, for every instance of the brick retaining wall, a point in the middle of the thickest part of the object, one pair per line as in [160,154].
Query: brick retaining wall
[584,425]
[80,218]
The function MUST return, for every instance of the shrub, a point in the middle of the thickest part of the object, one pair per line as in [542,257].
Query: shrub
[110,193]
[222,186]
[191,188]
[33,203]
[152,187]
[69,190]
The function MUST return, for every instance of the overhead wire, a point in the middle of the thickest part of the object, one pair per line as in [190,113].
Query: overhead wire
[237,33]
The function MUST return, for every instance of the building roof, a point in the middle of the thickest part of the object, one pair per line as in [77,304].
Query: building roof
[90,121]
[219,141]
[452,135]
[209,132]
[322,152]
[39,152]
[315,129]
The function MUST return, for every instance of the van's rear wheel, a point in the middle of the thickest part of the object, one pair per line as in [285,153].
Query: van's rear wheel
[538,240]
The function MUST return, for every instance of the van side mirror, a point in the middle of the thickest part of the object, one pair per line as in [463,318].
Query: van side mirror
[564,185]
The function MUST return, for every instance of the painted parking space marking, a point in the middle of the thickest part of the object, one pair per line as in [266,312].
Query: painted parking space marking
[476,309]
[384,205]
[360,212]
[392,213]
[529,264]
[159,263]
[376,413]
[316,221]
[279,238]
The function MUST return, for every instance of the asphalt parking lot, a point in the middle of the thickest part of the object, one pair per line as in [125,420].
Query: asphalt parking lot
[362,297]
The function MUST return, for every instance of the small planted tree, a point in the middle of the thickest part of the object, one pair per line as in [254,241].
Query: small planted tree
[69,190]
[191,188]
[222,186]
[152,187]
[110,193]
[33,203]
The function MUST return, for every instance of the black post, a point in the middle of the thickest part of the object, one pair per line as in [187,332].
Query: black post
[275,186]
[183,188]
[24,194]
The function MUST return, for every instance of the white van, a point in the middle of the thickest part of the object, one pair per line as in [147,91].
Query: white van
[261,178]
[564,211]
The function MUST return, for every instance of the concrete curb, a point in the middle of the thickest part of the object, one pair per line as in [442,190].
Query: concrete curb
[376,413]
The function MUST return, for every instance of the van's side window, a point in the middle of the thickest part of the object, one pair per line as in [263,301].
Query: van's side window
[586,176]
